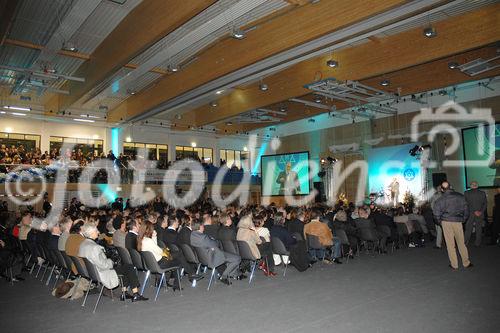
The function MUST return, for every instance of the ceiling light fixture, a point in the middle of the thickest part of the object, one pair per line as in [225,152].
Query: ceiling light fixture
[68,46]
[193,144]
[18,114]
[18,108]
[89,116]
[219,92]
[332,63]
[229,123]
[173,68]
[430,32]
[263,87]
[214,104]
[453,65]
[385,83]
[84,120]
[317,99]
[238,34]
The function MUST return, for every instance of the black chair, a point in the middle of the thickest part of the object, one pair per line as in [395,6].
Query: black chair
[45,265]
[124,255]
[314,244]
[54,262]
[93,276]
[367,236]
[280,249]
[67,259]
[403,233]
[230,247]
[82,272]
[160,243]
[344,240]
[386,230]
[246,254]
[153,267]
[138,263]
[191,258]
[63,264]
[206,261]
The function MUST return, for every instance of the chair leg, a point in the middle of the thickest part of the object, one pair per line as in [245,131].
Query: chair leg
[44,271]
[211,278]
[193,284]
[50,275]
[11,276]
[38,272]
[28,260]
[253,271]
[179,279]
[98,299]
[159,286]
[86,294]
[286,265]
[144,282]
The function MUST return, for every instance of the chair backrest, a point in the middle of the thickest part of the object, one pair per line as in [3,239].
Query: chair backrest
[60,260]
[79,266]
[189,254]
[278,246]
[92,270]
[416,225]
[137,259]
[313,242]
[368,234]
[204,257]
[245,251]
[150,262]
[67,259]
[124,255]
[342,235]
[298,236]
[384,229]
[160,243]
[173,247]
[402,229]
[230,247]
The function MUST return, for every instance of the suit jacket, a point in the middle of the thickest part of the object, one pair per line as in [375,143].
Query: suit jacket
[95,254]
[476,199]
[131,241]
[184,236]
[212,230]
[208,245]
[170,236]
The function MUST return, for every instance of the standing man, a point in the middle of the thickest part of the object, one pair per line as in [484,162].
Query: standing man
[439,230]
[394,188]
[477,202]
[288,180]
[451,210]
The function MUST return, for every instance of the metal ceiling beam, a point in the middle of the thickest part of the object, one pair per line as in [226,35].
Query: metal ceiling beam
[53,76]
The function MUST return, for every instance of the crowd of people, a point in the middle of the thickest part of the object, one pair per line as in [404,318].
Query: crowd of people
[313,234]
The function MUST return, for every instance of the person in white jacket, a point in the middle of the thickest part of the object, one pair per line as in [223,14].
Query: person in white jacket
[108,273]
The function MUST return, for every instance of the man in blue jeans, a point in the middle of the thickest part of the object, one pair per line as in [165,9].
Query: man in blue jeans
[320,238]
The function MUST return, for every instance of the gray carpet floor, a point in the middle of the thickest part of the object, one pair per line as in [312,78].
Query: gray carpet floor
[411,290]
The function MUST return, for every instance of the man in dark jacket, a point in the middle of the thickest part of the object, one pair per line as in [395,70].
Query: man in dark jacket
[477,202]
[451,210]
[226,231]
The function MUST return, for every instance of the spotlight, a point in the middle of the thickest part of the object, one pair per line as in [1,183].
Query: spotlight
[452,65]
[317,99]
[312,120]
[442,93]
[68,46]
[263,87]
[218,92]
[173,68]
[332,63]
[323,161]
[430,32]
[238,34]
[385,82]
[214,104]
[283,108]
[229,123]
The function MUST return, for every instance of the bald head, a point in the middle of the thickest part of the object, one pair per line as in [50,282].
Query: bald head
[474,185]
[445,185]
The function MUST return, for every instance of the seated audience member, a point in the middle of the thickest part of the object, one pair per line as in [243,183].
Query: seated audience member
[25,226]
[278,230]
[402,217]
[184,236]
[296,222]
[265,247]
[417,217]
[226,231]
[247,233]
[131,236]
[53,241]
[108,272]
[363,221]
[147,241]
[321,230]
[10,259]
[120,233]
[211,224]
[74,241]
[170,233]
[381,218]
[227,264]
[341,222]
[65,226]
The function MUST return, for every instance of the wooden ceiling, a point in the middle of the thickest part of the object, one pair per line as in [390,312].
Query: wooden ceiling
[409,60]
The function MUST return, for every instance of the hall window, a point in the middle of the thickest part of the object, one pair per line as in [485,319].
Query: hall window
[30,142]
[87,146]
[197,153]
[156,152]
[233,157]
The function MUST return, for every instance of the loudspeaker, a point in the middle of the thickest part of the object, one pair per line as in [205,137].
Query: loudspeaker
[320,196]
[438,178]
